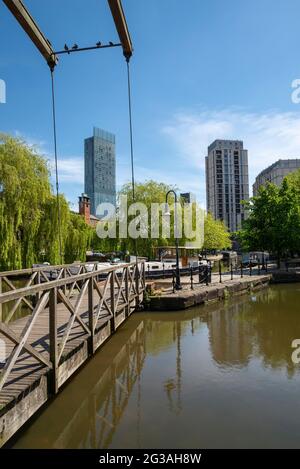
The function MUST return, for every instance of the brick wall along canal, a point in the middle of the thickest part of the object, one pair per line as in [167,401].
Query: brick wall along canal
[214,376]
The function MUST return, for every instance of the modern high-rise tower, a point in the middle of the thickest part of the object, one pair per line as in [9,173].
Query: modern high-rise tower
[227,181]
[100,168]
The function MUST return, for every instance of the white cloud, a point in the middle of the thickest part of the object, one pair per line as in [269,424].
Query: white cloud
[70,169]
[267,136]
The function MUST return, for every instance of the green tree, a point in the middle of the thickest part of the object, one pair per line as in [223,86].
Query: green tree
[28,212]
[216,235]
[274,219]
[78,240]
[24,189]
[294,179]
[149,192]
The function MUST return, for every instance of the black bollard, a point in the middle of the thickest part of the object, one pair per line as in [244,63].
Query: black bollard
[231,270]
[250,267]
[173,281]
[242,274]
[220,272]
[192,280]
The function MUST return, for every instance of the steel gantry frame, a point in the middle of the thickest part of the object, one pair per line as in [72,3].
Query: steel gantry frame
[25,19]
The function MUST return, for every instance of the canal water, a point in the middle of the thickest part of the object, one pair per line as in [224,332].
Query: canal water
[219,376]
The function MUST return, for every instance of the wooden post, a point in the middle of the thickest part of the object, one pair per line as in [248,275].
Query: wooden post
[127,292]
[91,315]
[64,275]
[37,281]
[137,286]
[112,300]
[53,340]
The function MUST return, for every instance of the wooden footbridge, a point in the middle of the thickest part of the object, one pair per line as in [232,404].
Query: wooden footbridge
[52,324]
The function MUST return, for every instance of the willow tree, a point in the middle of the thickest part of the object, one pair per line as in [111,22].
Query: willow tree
[47,245]
[78,238]
[24,189]
[28,212]
[148,193]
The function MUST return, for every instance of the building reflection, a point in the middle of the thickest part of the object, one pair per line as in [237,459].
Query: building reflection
[230,336]
[164,333]
[263,327]
[101,405]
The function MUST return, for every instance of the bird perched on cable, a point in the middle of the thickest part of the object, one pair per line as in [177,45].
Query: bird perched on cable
[75,47]
[98,44]
[111,43]
[66,48]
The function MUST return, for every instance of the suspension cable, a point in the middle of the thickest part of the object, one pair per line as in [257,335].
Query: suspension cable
[131,133]
[56,165]
[131,149]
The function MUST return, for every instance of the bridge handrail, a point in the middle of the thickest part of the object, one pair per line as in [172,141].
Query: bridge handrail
[107,298]
[34,289]
[41,268]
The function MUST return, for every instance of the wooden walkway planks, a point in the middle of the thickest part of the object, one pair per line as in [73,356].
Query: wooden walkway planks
[27,370]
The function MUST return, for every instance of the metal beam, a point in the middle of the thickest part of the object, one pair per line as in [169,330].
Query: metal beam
[27,22]
[121,26]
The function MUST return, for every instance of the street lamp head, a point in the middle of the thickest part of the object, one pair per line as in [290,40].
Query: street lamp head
[167,212]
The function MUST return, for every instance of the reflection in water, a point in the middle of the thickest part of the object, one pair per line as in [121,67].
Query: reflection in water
[214,376]
[264,327]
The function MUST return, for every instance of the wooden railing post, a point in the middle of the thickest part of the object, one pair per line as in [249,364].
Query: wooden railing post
[137,286]
[127,292]
[112,300]
[53,341]
[37,281]
[64,275]
[91,315]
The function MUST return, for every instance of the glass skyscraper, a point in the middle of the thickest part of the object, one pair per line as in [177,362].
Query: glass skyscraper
[100,168]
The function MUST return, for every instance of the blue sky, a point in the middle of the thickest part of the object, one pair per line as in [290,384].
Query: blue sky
[202,69]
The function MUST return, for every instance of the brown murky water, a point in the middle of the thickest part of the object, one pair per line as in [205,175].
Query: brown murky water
[216,376]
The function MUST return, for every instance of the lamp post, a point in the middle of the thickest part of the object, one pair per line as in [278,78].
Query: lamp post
[167,213]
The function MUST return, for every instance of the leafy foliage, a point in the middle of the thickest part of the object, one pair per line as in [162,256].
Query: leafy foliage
[274,218]
[216,235]
[28,211]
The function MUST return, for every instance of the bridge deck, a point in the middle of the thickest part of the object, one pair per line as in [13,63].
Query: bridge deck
[68,319]
[27,371]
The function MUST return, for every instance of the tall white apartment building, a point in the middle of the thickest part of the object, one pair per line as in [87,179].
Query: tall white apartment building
[227,181]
